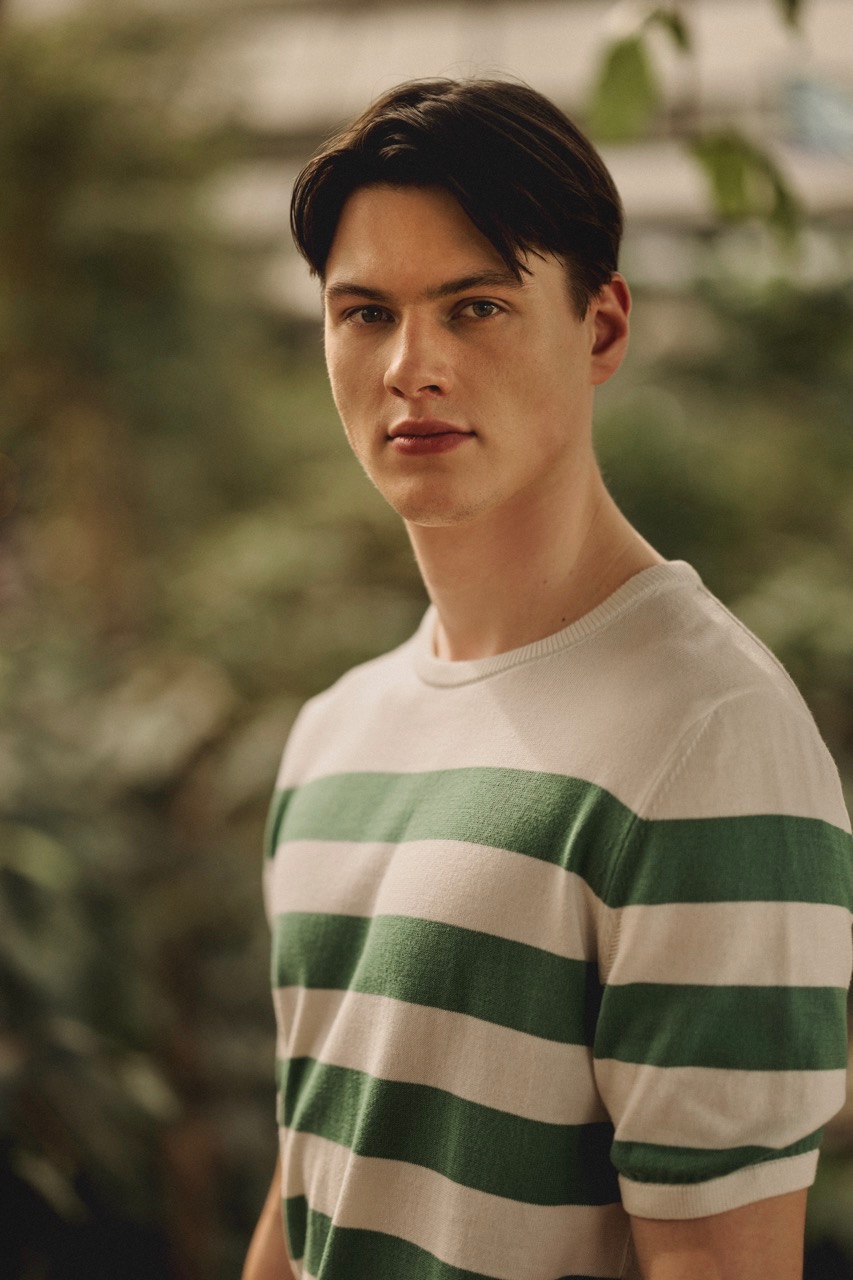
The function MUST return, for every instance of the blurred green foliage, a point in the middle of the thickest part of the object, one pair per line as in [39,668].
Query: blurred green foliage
[746,181]
[187,551]
[627,103]
[627,95]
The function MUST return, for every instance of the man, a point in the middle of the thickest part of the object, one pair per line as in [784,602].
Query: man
[560,889]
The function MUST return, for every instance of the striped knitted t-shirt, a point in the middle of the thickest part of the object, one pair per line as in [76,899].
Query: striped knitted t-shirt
[558,936]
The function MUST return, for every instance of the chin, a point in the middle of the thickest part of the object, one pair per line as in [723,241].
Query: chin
[436,512]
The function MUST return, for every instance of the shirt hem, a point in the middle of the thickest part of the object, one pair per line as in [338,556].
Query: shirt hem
[717,1195]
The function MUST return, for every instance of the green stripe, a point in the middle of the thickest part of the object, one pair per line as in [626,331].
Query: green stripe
[472,1145]
[731,1028]
[295,1214]
[348,1251]
[760,858]
[443,967]
[561,820]
[582,828]
[678,1166]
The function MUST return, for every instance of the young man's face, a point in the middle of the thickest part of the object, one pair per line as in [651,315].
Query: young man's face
[461,391]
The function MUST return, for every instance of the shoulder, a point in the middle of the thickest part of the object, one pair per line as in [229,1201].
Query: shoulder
[693,716]
[337,713]
[671,705]
[746,741]
[681,646]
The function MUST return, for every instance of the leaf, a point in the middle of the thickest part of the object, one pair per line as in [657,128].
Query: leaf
[51,1182]
[790,10]
[37,857]
[627,94]
[673,22]
[746,182]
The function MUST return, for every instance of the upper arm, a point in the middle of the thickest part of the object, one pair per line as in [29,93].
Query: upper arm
[267,1258]
[721,1041]
[759,1241]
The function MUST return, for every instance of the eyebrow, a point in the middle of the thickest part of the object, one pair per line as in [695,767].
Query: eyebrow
[476,280]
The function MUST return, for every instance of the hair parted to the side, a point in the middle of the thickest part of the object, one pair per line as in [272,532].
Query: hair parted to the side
[525,175]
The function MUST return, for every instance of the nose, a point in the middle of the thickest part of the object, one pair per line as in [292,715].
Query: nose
[418,365]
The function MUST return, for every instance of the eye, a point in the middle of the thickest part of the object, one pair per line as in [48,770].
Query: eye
[482,309]
[367,315]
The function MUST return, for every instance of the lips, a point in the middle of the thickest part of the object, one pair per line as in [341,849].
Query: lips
[426,437]
[420,427]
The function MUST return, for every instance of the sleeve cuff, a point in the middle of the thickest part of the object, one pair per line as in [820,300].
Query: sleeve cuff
[701,1199]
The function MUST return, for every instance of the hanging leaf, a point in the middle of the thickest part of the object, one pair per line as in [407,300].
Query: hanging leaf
[790,10]
[746,181]
[627,94]
[673,22]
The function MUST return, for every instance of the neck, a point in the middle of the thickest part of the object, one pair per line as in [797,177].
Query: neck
[527,570]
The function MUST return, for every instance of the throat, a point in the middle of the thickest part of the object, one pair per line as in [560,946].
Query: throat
[496,594]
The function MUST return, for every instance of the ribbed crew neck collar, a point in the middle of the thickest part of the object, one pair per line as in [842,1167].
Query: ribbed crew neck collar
[651,581]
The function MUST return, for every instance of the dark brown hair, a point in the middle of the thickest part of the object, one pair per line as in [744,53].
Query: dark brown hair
[524,174]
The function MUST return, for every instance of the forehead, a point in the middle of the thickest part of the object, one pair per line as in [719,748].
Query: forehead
[401,229]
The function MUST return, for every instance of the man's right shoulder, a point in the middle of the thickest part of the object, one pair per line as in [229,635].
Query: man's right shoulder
[342,707]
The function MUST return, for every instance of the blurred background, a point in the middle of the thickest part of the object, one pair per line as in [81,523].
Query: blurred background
[187,550]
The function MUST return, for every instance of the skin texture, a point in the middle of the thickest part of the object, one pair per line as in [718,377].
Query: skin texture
[456,356]
[267,1256]
[513,529]
[761,1241]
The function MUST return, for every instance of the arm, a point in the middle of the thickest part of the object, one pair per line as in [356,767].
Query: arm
[267,1257]
[760,1241]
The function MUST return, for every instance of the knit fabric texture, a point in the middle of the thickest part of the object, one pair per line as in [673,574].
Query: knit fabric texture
[559,936]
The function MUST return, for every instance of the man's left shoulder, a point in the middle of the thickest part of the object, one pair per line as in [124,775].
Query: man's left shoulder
[685,645]
[740,737]
[752,744]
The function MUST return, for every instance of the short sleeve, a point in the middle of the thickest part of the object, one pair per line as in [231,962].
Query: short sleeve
[721,1044]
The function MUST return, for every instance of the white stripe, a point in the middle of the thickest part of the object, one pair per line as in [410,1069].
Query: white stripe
[717,1195]
[472,1230]
[797,944]
[707,1107]
[508,895]
[609,712]
[479,1061]
[268,877]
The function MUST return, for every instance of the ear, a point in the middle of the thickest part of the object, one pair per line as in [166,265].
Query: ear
[608,317]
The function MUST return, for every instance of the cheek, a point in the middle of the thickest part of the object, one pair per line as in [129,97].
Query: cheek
[559,373]
[548,395]
[352,375]
[340,379]
[538,384]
